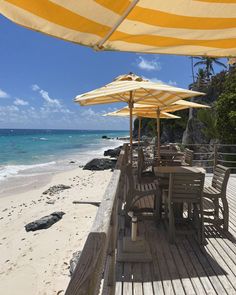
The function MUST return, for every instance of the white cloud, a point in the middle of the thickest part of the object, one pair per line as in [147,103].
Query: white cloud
[50,101]
[20,102]
[172,83]
[35,87]
[3,94]
[148,65]
[155,80]
[89,113]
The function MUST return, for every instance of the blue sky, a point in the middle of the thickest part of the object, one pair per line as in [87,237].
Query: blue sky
[40,76]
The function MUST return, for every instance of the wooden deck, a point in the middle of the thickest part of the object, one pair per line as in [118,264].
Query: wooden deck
[185,267]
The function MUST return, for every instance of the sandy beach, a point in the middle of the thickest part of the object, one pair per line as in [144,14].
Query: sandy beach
[37,263]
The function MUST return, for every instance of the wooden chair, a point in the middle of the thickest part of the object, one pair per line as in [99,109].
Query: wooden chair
[143,174]
[185,160]
[188,157]
[216,192]
[185,188]
[141,198]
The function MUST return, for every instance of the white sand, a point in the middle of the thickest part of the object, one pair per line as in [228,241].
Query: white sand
[37,263]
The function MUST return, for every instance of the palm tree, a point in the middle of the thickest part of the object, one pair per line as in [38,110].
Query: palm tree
[208,62]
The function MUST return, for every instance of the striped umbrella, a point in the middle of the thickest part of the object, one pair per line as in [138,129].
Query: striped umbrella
[152,111]
[139,113]
[134,89]
[184,27]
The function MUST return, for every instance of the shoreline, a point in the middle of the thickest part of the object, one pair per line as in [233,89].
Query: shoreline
[38,262]
[42,173]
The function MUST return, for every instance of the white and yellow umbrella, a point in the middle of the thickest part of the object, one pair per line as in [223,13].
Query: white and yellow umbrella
[184,27]
[139,113]
[134,89]
[152,111]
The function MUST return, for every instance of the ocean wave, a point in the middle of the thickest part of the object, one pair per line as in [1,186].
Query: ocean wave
[13,170]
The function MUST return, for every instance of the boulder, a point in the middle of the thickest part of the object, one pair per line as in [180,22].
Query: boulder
[105,137]
[100,164]
[44,222]
[74,261]
[114,153]
[55,189]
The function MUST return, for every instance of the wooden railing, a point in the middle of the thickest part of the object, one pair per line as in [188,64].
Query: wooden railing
[209,155]
[95,271]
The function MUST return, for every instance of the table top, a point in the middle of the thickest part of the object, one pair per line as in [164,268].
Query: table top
[177,169]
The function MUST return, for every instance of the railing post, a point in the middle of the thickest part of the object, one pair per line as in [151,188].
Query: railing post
[215,155]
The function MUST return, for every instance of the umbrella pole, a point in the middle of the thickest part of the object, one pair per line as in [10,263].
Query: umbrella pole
[139,129]
[158,136]
[131,104]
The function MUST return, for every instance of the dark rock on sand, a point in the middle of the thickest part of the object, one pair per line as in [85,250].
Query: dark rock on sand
[100,164]
[44,222]
[51,202]
[55,189]
[114,153]
[74,261]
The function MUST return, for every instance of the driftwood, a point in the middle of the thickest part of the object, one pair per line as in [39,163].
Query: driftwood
[87,202]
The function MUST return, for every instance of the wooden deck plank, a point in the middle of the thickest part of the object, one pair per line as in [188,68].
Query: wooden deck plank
[147,279]
[119,278]
[190,267]
[204,260]
[137,279]
[186,282]
[127,284]
[174,275]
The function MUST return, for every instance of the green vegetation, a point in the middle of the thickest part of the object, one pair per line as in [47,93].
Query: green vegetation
[226,117]
[209,119]
[208,63]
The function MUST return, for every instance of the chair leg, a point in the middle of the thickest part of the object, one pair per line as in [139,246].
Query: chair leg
[225,213]
[202,229]
[158,207]
[216,210]
[171,224]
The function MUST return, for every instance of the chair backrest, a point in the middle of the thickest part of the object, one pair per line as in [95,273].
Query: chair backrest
[126,150]
[130,179]
[140,163]
[220,178]
[186,187]
[188,157]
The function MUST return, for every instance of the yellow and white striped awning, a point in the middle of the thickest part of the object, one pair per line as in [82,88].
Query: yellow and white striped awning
[141,113]
[173,107]
[133,88]
[184,27]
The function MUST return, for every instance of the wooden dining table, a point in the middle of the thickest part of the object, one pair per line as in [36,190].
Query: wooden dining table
[177,169]
[164,171]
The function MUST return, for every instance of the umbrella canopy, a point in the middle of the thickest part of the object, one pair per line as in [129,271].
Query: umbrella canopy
[142,114]
[151,109]
[143,92]
[132,89]
[186,27]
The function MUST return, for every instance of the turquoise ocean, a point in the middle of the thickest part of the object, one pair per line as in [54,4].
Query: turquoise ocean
[29,152]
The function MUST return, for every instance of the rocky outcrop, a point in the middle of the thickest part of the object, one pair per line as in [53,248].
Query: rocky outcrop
[194,132]
[114,153]
[55,189]
[100,164]
[44,222]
